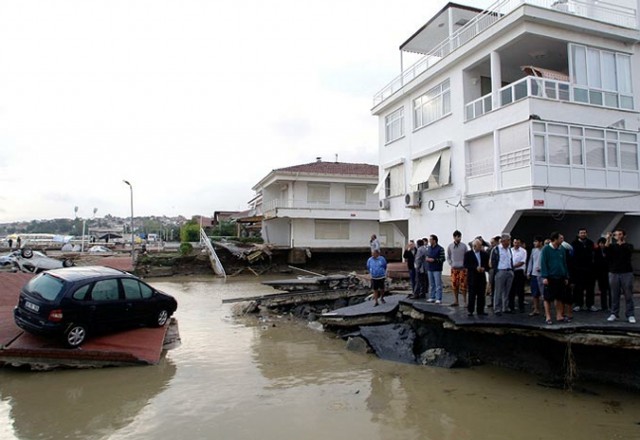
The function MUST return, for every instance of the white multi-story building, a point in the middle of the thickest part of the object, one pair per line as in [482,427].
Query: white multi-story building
[521,118]
[323,206]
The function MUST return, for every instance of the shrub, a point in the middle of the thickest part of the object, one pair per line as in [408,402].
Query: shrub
[185,249]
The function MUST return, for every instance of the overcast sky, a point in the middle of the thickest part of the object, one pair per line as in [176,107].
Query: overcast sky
[191,101]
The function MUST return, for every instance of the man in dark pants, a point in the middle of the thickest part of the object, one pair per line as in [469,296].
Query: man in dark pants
[519,277]
[601,272]
[420,264]
[583,272]
[409,256]
[619,253]
[476,262]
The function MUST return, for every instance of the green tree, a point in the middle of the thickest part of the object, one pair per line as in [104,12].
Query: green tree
[226,228]
[190,231]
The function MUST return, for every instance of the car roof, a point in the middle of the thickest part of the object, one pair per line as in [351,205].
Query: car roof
[78,273]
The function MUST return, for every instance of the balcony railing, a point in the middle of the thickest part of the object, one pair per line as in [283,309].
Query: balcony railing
[603,11]
[532,86]
[272,205]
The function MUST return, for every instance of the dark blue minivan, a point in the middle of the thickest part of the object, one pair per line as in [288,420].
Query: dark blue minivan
[76,301]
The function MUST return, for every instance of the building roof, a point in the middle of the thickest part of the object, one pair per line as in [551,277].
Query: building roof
[336,168]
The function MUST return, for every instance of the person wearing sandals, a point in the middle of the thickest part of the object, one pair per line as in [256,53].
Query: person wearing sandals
[555,278]
[533,274]
[377,267]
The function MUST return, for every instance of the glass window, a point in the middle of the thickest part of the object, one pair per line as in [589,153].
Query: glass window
[539,148]
[558,150]
[480,156]
[331,230]
[396,175]
[105,290]
[506,96]
[593,66]
[394,125]
[355,195]
[433,105]
[612,155]
[131,288]
[601,70]
[624,73]
[557,129]
[579,64]
[387,185]
[626,102]
[595,153]
[147,292]
[580,95]
[46,286]
[611,99]
[609,81]
[81,293]
[629,156]
[318,193]
[595,97]
[576,152]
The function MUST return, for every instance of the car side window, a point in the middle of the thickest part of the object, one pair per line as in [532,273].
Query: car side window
[131,288]
[147,292]
[81,293]
[105,290]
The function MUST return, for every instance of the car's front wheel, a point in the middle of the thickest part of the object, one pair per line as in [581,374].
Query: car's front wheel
[67,263]
[161,318]
[75,335]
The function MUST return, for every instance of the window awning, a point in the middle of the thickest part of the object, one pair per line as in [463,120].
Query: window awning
[423,168]
[381,183]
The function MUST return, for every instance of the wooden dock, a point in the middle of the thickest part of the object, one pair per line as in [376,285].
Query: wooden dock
[19,348]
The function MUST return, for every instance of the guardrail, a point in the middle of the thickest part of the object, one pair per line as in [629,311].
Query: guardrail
[532,86]
[216,264]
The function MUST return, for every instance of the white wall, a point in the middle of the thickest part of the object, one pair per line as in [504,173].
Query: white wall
[359,234]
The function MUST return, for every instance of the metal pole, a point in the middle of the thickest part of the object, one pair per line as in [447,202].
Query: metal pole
[132,238]
[84,223]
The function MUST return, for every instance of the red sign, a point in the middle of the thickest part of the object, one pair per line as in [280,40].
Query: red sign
[538,202]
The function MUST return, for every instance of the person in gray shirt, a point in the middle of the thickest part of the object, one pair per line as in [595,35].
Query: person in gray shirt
[455,258]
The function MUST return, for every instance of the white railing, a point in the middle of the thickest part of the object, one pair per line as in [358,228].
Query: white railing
[532,86]
[480,167]
[603,11]
[271,205]
[515,159]
[216,264]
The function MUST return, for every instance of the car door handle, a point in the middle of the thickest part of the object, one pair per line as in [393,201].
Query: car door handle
[92,308]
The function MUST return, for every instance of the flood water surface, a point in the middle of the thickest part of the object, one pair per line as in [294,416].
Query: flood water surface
[245,378]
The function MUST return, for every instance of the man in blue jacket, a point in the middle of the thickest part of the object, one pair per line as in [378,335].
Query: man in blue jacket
[377,267]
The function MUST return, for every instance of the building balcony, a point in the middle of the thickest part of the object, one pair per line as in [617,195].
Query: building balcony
[551,154]
[320,210]
[535,87]
[604,12]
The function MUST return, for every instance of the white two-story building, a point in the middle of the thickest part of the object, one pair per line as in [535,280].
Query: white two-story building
[323,206]
[521,118]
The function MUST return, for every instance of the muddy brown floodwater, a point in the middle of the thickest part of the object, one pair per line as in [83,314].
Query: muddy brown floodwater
[273,380]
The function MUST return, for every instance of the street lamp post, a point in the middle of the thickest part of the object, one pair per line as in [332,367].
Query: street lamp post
[132,239]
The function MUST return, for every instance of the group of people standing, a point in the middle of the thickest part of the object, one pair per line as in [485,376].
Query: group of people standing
[563,275]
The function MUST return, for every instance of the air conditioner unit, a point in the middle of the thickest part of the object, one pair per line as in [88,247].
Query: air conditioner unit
[412,199]
[384,204]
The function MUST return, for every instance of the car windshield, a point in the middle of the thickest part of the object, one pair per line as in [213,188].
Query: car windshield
[46,286]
